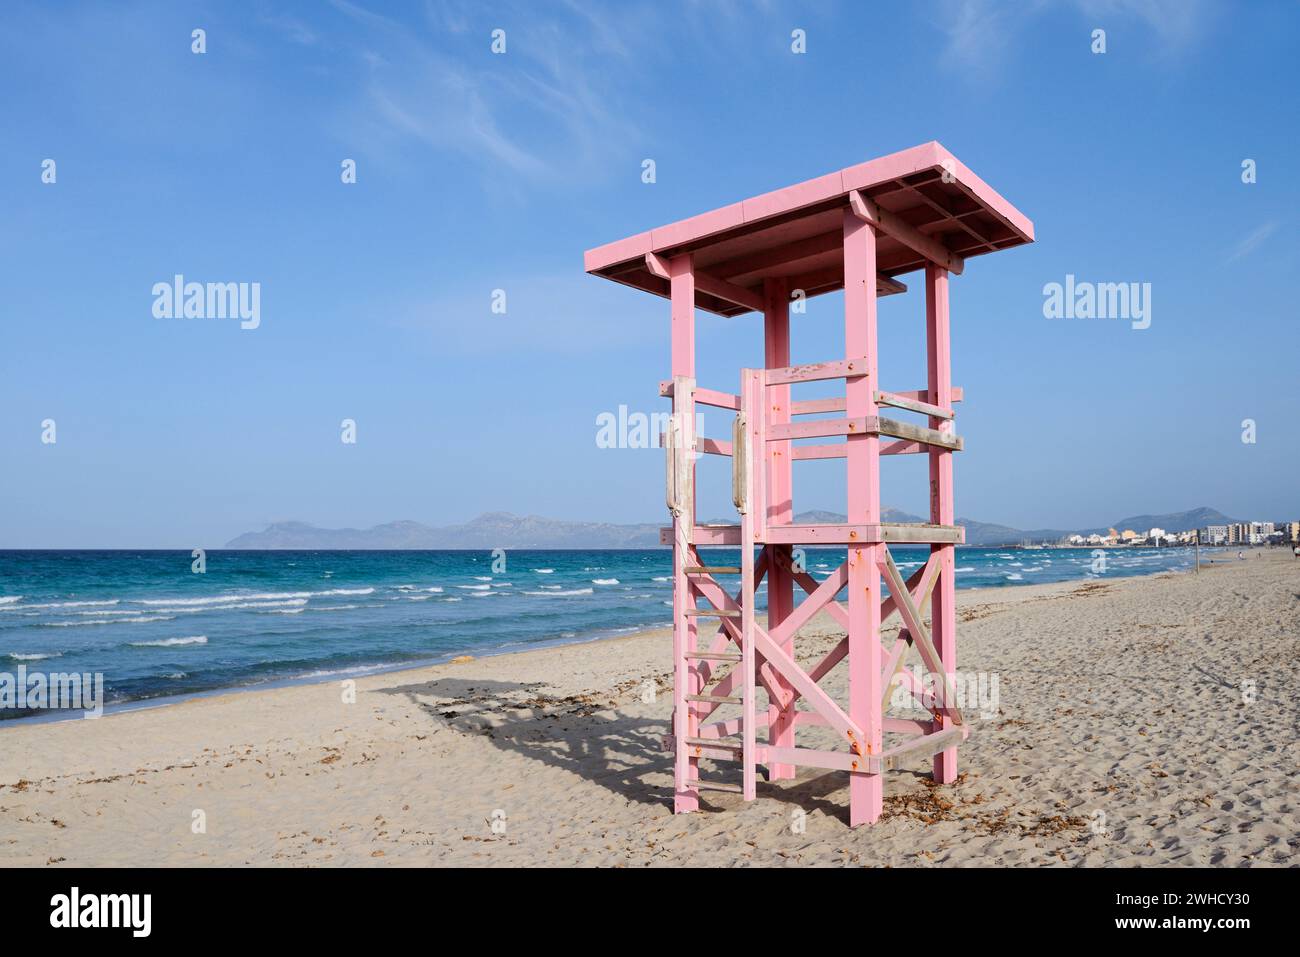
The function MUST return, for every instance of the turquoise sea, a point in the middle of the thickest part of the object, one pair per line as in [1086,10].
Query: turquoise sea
[155,629]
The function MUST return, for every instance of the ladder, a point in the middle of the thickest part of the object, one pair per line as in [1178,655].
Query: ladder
[708,675]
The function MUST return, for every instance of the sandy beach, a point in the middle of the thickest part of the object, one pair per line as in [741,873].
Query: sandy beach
[1139,721]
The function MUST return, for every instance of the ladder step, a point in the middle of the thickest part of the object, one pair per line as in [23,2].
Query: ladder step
[717,786]
[710,613]
[715,655]
[711,570]
[718,698]
[714,743]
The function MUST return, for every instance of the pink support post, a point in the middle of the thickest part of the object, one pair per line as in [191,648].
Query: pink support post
[685,626]
[943,610]
[780,485]
[751,388]
[866,795]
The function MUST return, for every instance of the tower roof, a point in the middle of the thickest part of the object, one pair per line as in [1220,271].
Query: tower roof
[795,233]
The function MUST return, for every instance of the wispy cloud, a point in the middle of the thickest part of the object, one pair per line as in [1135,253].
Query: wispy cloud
[296,30]
[1177,24]
[980,32]
[1251,241]
[541,110]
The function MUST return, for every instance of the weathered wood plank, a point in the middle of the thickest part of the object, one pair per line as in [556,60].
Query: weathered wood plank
[821,428]
[740,462]
[865,534]
[917,433]
[709,397]
[923,746]
[912,405]
[817,371]
[836,403]
[706,535]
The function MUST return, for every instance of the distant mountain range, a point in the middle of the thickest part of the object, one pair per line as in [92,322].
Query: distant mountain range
[504,530]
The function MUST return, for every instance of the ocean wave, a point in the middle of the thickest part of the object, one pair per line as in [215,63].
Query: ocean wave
[1015,578]
[170,642]
[965,568]
[562,592]
[544,571]
[108,621]
[287,603]
[200,609]
[662,578]
[219,599]
[604,581]
[475,587]
[340,607]
[100,612]
[261,596]
[67,604]
[19,656]
[350,670]
[10,599]
[482,578]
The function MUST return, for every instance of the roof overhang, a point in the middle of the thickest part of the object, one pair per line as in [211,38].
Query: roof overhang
[927,205]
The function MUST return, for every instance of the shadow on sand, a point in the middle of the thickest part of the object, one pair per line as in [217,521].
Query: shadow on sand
[588,735]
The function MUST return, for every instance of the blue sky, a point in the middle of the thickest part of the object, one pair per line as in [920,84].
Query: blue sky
[478,171]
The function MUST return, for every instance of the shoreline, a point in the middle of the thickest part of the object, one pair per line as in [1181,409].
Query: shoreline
[342,674]
[365,670]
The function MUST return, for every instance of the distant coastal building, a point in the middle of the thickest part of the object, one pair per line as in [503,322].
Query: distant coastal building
[1234,533]
[1251,533]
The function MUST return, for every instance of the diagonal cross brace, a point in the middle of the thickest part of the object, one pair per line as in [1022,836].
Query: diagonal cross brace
[819,597]
[713,592]
[922,581]
[810,585]
[920,634]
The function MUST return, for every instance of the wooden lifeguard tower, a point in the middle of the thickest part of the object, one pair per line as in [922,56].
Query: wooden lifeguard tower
[856,230]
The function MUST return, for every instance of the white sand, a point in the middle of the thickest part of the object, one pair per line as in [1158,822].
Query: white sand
[1120,699]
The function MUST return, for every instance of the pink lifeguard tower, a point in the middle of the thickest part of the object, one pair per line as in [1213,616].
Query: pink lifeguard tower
[856,230]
